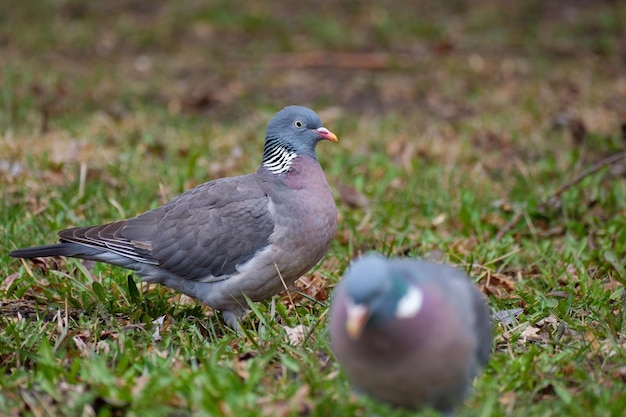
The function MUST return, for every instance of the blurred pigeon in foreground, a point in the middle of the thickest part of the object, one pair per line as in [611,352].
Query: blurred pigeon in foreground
[249,235]
[409,333]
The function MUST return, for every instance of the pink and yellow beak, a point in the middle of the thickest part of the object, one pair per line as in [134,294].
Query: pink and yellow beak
[357,316]
[327,134]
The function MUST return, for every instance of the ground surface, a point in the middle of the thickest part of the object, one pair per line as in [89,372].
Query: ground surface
[467,130]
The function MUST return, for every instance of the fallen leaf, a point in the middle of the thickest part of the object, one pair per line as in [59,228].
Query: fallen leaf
[508,398]
[162,323]
[499,285]
[296,335]
[351,197]
[299,403]
[620,373]
[532,334]
[313,285]
[139,384]
[8,281]
[439,219]
[402,152]
[551,320]
[507,317]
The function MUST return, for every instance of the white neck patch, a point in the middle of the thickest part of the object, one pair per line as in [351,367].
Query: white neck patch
[410,304]
[279,160]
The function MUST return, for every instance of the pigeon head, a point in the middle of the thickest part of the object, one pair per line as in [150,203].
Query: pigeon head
[377,293]
[293,131]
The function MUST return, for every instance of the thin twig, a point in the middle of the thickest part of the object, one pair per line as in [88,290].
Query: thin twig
[519,213]
[609,160]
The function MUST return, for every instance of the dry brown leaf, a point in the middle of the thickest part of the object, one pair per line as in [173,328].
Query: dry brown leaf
[182,299]
[499,285]
[139,383]
[532,334]
[56,263]
[612,284]
[313,285]
[296,335]
[109,334]
[609,348]
[102,348]
[495,219]
[561,294]
[439,219]
[83,348]
[551,320]
[241,364]
[594,344]
[8,281]
[299,403]
[351,197]
[445,107]
[620,373]
[196,100]
[402,152]
[508,398]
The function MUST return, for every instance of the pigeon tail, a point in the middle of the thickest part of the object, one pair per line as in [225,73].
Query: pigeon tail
[57,249]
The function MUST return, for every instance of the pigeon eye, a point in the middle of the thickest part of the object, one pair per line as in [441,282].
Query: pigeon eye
[298,124]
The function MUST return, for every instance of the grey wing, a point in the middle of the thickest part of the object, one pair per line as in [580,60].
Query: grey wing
[473,303]
[106,238]
[206,232]
[468,297]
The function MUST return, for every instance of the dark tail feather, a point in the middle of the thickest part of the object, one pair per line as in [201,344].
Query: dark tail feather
[58,249]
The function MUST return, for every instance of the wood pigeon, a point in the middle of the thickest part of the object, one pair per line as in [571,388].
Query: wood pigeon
[408,332]
[249,235]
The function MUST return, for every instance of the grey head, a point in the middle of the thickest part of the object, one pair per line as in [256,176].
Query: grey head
[377,293]
[294,131]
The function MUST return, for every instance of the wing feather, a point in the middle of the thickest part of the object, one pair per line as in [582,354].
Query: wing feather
[202,234]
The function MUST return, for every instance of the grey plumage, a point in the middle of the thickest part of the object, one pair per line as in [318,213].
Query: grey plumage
[408,332]
[232,236]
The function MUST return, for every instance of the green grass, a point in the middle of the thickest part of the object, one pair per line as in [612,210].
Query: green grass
[451,139]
